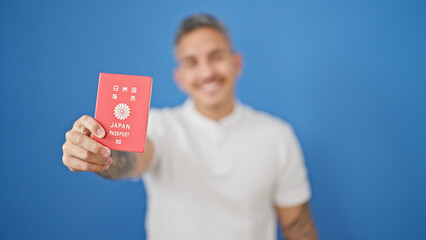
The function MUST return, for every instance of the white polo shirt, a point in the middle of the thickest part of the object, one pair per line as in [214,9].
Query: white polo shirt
[221,180]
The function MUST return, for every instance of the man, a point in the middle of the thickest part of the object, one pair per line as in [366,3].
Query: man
[213,167]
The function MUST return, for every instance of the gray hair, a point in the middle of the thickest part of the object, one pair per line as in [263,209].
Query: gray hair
[200,20]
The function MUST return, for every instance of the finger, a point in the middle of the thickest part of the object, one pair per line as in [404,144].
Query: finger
[83,154]
[69,161]
[87,143]
[88,123]
[73,170]
[78,165]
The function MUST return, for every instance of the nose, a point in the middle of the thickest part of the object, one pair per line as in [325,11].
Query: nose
[205,70]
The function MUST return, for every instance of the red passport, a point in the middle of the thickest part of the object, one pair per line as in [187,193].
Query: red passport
[122,108]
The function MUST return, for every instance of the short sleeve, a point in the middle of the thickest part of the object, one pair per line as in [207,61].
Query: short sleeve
[292,186]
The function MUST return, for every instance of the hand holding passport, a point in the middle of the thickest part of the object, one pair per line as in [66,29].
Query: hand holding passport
[121,120]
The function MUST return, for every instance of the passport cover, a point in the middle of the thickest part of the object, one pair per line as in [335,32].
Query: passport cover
[122,107]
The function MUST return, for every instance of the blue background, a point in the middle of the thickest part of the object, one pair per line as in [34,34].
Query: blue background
[350,76]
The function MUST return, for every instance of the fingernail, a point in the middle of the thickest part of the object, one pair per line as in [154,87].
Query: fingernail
[100,133]
[105,152]
[109,161]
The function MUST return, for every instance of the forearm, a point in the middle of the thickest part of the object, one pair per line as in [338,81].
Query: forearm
[121,167]
[300,227]
[129,164]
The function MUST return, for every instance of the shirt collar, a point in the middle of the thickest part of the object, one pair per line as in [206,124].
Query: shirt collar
[228,121]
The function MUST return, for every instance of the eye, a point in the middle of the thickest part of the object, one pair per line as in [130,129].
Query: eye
[216,56]
[189,63]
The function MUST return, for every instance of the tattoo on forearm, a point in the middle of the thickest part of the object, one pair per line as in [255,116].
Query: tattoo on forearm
[121,166]
[302,227]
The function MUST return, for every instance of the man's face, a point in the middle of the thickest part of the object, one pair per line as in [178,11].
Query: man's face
[207,68]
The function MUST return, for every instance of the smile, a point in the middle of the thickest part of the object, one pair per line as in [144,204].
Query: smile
[210,86]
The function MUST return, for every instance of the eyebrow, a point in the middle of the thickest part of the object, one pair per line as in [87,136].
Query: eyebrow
[187,58]
[214,51]
[217,50]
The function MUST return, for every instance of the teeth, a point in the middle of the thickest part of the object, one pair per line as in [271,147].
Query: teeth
[209,87]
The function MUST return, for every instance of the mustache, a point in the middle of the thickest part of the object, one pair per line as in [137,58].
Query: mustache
[210,79]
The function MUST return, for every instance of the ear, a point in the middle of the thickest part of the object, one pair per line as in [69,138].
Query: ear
[238,63]
[177,76]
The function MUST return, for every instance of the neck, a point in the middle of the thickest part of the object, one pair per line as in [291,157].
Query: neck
[216,113]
